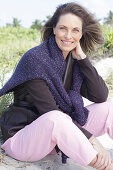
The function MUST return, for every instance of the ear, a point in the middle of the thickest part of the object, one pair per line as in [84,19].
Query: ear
[81,36]
[54,31]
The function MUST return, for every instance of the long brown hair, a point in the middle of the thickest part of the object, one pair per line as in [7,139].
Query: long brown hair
[91,28]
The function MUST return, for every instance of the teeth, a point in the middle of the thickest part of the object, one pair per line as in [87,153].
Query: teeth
[67,42]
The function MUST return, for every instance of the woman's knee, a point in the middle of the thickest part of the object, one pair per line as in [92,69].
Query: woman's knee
[57,116]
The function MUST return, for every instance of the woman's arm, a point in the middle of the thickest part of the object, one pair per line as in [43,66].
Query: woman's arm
[93,86]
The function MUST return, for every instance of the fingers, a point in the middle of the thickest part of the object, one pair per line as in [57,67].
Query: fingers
[99,161]
[108,166]
[77,52]
[107,162]
[103,161]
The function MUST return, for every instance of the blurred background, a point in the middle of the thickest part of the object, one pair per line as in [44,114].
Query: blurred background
[21,22]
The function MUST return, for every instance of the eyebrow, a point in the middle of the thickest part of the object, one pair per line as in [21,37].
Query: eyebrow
[73,28]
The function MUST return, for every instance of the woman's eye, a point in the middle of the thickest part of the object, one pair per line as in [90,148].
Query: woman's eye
[62,28]
[76,30]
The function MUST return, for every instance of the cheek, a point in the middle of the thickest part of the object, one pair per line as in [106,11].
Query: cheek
[80,36]
[77,39]
[59,34]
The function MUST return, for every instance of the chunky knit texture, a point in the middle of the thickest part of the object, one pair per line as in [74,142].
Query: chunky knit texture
[47,62]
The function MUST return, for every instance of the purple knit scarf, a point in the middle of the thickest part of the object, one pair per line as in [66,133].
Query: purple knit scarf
[47,62]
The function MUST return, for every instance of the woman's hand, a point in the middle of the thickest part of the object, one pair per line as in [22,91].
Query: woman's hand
[103,157]
[78,53]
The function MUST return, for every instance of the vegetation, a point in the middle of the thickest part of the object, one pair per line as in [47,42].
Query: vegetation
[105,50]
[109,18]
[37,25]
[16,23]
[108,34]
[15,41]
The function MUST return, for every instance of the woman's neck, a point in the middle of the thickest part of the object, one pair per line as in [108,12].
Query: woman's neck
[65,54]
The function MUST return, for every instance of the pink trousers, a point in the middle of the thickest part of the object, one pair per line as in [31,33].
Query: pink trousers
[39,138]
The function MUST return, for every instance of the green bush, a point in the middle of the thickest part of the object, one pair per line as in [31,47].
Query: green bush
[10,34]
[5,101]
[14,42]
[108,34]
[105,50]
[8,98]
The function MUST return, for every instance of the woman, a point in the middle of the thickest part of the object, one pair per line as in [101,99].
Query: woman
[49,81]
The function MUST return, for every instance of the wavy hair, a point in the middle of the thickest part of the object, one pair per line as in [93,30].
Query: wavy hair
[91,31]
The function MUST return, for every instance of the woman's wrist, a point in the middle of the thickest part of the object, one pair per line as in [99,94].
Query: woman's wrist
[92,140]
[79,57]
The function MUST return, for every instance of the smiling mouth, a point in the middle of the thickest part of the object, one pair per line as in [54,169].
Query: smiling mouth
[67,42]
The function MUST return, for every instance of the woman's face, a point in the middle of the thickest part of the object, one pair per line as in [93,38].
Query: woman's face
[68,32]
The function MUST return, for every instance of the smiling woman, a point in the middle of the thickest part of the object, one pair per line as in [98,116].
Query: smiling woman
[49,81]
[87,25]
[68,32]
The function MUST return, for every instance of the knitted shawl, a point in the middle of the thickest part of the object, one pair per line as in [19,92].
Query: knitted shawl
[46,62]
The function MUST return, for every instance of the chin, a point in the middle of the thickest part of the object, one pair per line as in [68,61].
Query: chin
[67,51]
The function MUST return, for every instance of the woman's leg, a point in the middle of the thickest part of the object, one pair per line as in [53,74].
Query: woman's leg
[38,139]
[100,119]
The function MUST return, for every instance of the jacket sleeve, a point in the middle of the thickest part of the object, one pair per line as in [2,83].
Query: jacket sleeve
[44,100]
[93,86]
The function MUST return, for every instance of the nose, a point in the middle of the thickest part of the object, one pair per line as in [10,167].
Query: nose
[68,35]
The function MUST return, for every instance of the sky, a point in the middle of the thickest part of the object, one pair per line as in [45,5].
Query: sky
[28,11]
